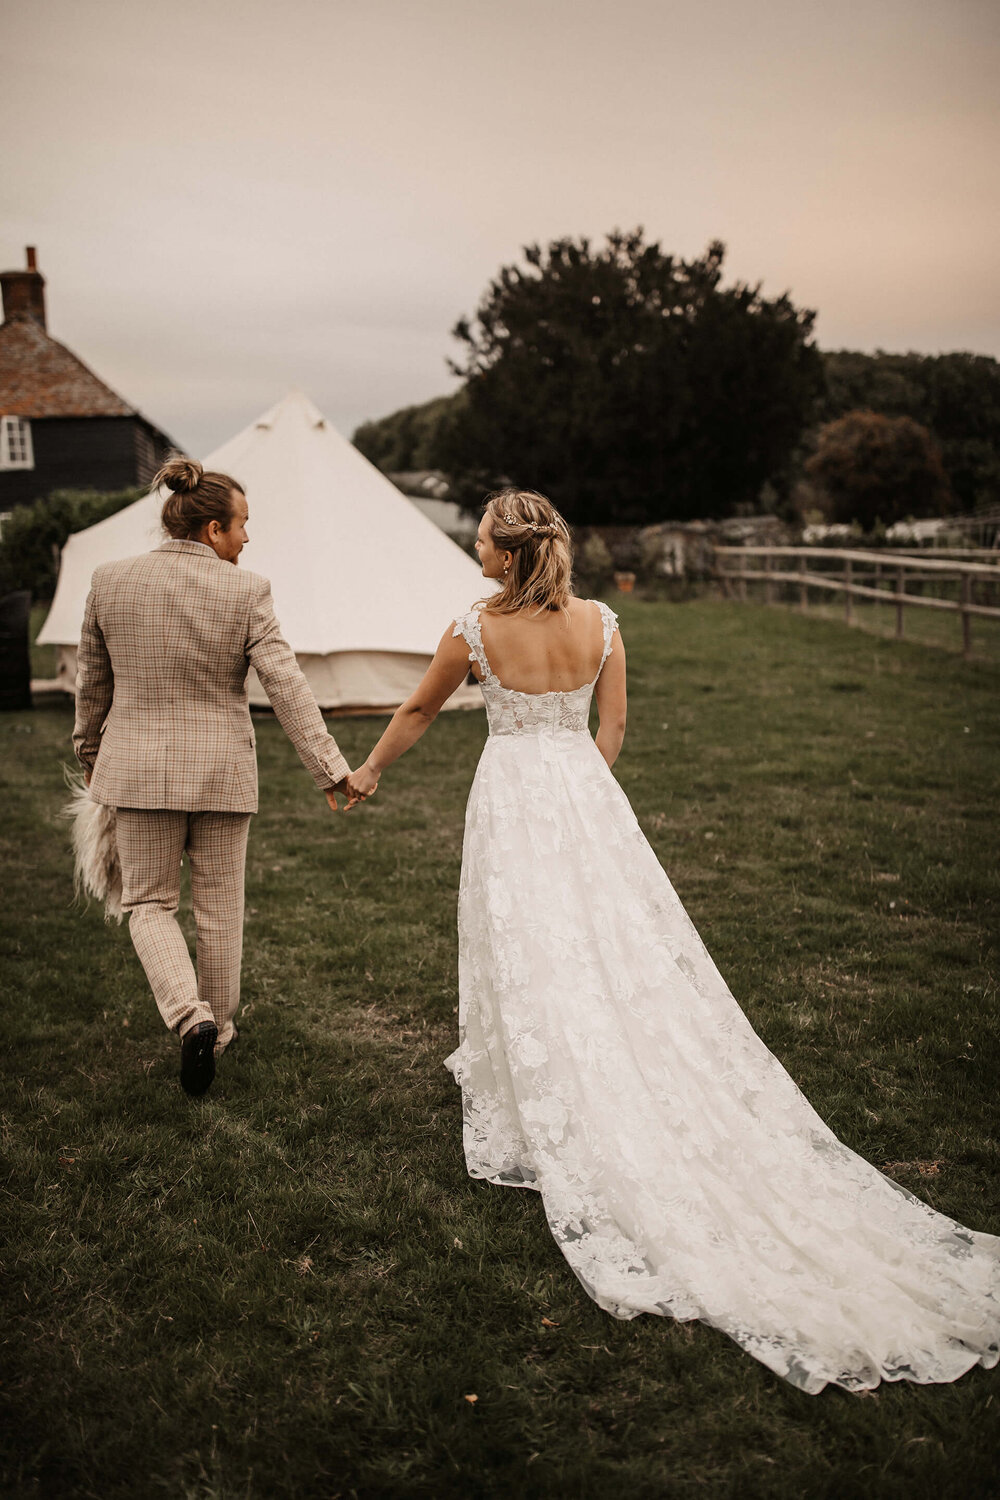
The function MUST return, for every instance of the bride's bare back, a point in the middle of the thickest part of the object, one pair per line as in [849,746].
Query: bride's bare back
[522,543]
[554,651]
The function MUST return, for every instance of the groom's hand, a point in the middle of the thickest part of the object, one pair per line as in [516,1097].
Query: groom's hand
[345,790]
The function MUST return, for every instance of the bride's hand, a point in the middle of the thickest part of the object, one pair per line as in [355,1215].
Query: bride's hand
[362,783]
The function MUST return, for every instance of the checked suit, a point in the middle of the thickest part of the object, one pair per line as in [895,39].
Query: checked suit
[163,726]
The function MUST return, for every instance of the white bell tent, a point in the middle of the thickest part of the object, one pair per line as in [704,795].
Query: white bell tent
[363,584]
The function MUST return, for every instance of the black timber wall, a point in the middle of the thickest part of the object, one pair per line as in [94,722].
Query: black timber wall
[84,453]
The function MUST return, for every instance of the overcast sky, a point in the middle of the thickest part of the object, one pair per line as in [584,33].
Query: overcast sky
[232,197]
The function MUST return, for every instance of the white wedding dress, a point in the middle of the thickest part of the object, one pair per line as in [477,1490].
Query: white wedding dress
[604,1062]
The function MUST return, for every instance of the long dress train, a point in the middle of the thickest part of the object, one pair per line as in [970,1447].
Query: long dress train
[604,1062]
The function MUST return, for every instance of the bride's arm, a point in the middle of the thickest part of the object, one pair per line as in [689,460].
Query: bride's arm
[612,702]
[446,672]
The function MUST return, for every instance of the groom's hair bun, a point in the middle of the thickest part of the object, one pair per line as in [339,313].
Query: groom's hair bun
[198,497]
[180,475]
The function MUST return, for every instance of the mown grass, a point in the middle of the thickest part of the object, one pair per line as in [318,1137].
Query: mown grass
[292,1288]
[927,627]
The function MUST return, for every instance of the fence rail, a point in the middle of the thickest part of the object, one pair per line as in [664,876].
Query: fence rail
[958,554]
[886,576]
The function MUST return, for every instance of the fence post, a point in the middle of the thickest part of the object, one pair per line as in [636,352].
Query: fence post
[848,598]
[768,585]
[966,617]
[900,590]
[743,580]
[803,587]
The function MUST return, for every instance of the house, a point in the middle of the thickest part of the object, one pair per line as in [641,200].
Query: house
[60,426]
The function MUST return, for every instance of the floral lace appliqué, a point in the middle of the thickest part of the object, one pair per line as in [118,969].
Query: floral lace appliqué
[604,1062]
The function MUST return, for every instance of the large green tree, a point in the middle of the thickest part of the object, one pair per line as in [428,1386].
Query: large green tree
[629,385]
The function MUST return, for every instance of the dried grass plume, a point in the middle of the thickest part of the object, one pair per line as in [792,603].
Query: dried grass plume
[97,871]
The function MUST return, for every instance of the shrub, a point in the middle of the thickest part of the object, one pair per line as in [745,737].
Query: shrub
[875,470]
[593,564]
[33,536]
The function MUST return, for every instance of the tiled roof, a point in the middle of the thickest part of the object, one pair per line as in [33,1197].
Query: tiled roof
[40,378]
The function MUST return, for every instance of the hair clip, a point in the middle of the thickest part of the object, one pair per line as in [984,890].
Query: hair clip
[540,528]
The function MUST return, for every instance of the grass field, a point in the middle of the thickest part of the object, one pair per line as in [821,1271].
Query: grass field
[925,627]
[292,1289]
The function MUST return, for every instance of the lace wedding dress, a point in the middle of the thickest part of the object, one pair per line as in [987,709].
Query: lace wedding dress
[604,1062]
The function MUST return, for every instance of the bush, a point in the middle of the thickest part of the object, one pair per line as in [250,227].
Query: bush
[875,470]
[956,396]
[33,536]
[593,564]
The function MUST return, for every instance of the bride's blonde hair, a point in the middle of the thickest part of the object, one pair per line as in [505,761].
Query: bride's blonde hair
[528,526]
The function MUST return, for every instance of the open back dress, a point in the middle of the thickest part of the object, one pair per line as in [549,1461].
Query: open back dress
[604,1062]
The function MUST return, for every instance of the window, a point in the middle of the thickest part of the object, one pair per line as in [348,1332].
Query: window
[15,444]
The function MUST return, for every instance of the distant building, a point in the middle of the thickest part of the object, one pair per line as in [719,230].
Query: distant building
[61,427]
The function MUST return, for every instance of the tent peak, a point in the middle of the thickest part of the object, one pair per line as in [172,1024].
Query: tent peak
[363,583]
[295,401]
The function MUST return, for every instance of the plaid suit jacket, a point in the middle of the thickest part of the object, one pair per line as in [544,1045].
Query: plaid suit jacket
[162,719]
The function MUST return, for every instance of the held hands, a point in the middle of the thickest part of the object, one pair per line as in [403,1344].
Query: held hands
[362,783]
[357,786]
[341,786]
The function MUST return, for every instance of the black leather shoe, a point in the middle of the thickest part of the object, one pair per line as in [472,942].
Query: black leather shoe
[198,1058]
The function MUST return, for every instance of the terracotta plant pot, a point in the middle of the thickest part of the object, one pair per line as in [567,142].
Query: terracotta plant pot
[625,582]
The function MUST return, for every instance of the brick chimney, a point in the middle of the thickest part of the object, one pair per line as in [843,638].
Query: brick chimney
[24,292]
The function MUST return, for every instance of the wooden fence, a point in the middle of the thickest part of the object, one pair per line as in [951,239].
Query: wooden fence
[878,576]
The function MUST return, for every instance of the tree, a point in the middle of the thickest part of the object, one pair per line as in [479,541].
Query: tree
[33,535]
[629,385]
[874,469]
[404,439]
[956,396]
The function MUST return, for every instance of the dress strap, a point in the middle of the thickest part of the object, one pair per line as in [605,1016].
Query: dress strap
[468,626]
[610,622]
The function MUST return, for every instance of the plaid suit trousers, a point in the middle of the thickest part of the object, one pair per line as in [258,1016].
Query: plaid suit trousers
[151,844]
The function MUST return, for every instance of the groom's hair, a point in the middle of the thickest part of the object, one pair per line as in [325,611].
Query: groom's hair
[196,498]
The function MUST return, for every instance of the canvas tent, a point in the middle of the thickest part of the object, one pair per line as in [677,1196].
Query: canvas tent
[363,584]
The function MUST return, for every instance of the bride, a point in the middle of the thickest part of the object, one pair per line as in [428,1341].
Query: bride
[603,1060]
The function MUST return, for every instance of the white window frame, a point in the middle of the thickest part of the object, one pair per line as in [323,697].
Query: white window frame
[16,449]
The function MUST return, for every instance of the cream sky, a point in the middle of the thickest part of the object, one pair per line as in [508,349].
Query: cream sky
[232,197]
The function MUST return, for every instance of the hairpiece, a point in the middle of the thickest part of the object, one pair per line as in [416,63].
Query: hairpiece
[539,528]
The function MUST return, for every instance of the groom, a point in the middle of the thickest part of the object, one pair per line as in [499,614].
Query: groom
[164,735]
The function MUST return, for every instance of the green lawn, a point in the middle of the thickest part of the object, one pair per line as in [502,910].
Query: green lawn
[292,1288]
[926,627]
